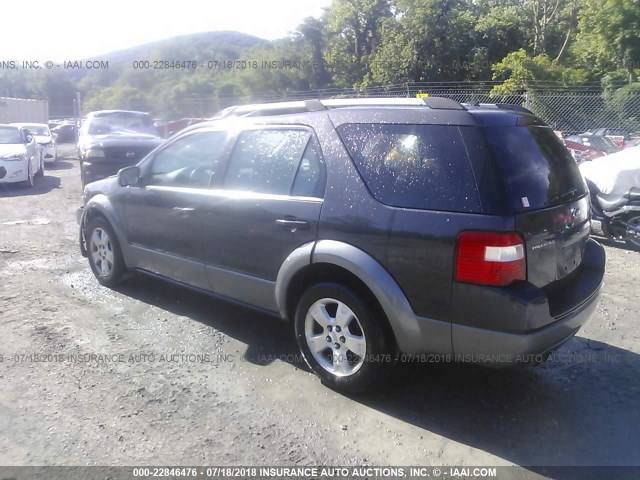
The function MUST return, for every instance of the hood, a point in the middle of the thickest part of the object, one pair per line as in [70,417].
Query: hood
[43,138]
[120,138]
[12,149]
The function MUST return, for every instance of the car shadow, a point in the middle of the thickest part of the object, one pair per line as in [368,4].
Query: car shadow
[267,338]
[580,408]
[59,165]
[41,185]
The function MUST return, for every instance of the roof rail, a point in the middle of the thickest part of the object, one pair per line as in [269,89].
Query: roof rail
[315,105]
[441,103]
[497,106]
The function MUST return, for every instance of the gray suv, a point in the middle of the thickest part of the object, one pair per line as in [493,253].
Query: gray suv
[382,228]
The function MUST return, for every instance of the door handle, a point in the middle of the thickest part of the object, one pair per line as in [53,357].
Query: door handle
[291,224]
[183,209]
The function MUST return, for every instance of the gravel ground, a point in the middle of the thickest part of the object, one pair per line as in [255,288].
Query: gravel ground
[154,374]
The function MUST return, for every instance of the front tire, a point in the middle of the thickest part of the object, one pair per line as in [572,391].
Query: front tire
[28,183]
[103,251]
[341,338]
[632,235]
[40,172]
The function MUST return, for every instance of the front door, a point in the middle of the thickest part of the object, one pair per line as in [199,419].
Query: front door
[164,214]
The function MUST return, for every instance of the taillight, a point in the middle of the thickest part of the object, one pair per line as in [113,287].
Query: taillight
[490,258]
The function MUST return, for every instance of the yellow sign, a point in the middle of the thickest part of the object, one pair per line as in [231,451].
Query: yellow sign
[421,95]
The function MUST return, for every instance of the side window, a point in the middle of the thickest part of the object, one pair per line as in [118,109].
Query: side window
[413,166]
[189,161]
[311,176]
[266,161]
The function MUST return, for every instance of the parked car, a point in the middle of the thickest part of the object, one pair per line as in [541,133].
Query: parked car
[599,142]
[382,228]
[65,133]
[45,139]
[20,158]
[168,129]
[112,139]
[582,153]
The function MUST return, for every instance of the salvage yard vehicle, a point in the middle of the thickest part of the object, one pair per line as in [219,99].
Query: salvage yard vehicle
[20,157]
[380,227]
[614,183]
[113,139]
[45,139]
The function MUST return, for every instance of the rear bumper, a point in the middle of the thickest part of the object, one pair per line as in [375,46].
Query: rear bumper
[574,307]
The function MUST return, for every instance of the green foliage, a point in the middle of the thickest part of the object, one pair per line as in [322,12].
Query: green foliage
[519,71]
[625,101]
[353,33]
[609,36]
[522,44]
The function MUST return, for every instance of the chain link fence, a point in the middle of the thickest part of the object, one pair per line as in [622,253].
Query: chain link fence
[575,110]
[570,110]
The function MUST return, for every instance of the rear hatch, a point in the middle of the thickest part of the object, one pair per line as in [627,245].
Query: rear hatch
[549,197]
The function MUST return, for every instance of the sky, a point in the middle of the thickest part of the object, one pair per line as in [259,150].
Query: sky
[76,29]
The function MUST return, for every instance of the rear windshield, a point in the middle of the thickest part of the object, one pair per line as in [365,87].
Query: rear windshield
[539,171]
[413,166]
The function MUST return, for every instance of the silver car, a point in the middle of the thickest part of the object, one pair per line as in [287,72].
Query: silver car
[44,138]
[20,158]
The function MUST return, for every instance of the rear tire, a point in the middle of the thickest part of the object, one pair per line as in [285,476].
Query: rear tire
[103,251]
[632,235]
[342,339]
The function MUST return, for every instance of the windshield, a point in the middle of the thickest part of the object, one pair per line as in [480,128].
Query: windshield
[10,135]
[121,122]
[538,169]
[38,130]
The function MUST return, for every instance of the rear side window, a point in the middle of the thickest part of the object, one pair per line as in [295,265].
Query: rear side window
[413,166]
[538,170]
[266,161]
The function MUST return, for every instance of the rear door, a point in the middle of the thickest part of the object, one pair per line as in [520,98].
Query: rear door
[548,195]
[266,205]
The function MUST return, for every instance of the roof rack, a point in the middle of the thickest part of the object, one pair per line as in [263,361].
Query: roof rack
[315,105]
[497,106]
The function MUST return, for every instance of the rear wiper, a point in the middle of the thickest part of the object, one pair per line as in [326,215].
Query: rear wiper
[565,195]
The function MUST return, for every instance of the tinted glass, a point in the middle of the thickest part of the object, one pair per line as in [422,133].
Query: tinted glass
[311,176]
[189,161]
[413,166]
[538,170]
[266,161]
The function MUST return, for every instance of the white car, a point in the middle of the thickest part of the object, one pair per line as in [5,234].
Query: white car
[45,139]
[20,157]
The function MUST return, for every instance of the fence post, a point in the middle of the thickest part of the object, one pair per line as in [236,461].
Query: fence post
[527,100]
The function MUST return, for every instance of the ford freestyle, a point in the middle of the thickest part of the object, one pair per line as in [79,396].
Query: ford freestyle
[380,227]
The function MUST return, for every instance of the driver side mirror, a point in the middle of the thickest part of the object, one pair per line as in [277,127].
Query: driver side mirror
[129,176]
[28,138]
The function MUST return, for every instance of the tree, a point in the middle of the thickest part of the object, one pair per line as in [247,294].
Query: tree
[312,32]
[428,40]
[609,37]
[519,71]
[353,30]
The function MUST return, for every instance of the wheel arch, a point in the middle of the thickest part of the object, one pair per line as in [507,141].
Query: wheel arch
[329,260]
[100,206]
